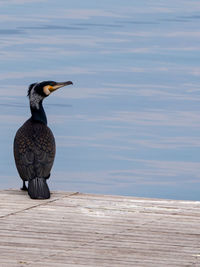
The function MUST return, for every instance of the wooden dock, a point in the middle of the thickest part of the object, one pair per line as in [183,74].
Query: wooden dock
[73,229]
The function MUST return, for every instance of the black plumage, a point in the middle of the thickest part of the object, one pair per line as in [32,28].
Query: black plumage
[34,143]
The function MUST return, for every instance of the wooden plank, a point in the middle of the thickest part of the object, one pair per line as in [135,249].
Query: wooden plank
[73,229]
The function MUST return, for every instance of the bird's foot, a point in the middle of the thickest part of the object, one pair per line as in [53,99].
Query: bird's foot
[24,187]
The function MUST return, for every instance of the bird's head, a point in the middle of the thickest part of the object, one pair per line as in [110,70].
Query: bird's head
[38,91]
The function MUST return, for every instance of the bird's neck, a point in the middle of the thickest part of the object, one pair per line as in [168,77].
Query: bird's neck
[38,114]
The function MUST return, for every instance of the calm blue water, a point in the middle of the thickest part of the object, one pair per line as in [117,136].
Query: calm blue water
[130,125]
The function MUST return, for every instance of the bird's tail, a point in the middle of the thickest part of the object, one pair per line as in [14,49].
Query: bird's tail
[38,188]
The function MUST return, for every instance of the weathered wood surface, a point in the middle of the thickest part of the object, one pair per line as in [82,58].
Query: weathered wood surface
[73,229]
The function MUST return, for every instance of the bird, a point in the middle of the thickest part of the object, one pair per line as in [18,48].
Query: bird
[34,143]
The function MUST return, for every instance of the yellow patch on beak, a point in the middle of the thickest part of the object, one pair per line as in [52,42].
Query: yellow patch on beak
[47,89]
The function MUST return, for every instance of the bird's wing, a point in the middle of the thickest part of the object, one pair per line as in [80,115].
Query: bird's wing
[34,150]
[44,150]
[23,153]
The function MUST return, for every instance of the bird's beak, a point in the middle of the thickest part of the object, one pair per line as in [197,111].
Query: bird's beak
[59,85]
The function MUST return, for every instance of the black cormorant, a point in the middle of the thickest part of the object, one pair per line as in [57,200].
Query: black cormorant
[34,143]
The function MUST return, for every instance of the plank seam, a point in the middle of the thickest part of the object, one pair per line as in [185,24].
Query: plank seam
[38,205]
[92,242]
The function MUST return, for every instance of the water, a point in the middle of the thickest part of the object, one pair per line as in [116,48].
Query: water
[130,125]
